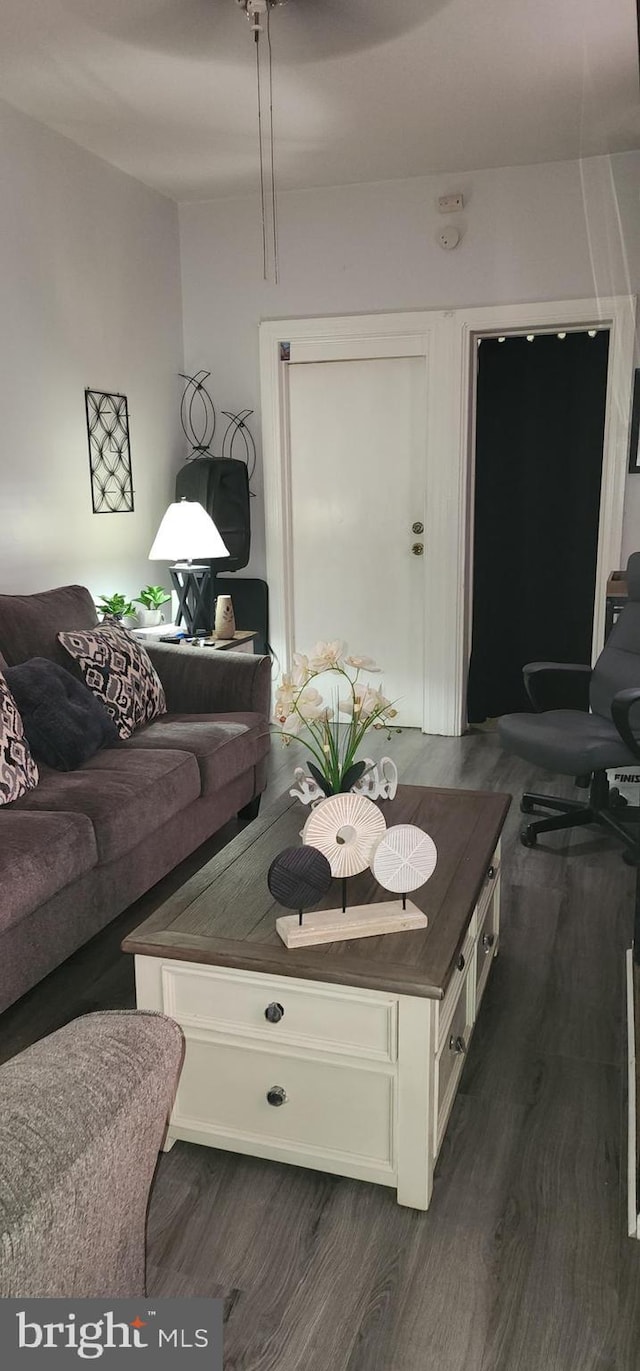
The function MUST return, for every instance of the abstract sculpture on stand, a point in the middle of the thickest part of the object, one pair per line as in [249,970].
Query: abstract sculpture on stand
[346,828]
[351,835]
[298,878]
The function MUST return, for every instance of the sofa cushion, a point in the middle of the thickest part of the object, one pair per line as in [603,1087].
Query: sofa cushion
[18,771]
[126,794]
[29,624]
[225,745]
[64,722]
[119,671]
[39,855]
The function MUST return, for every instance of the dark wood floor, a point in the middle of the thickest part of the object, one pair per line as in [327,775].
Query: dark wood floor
[522,1262]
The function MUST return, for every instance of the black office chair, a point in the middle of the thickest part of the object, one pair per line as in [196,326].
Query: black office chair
[585,745]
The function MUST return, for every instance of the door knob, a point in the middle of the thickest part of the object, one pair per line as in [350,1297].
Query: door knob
[417,527]
[417,549]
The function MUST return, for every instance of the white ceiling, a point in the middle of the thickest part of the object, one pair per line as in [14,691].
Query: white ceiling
[363,89]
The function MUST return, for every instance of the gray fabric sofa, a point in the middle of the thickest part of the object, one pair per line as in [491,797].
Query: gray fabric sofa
[85,844]
[83,1116]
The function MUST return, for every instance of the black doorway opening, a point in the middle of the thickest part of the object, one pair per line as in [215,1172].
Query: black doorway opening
[539,439]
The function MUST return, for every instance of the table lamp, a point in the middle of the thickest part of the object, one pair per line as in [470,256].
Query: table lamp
[187,531]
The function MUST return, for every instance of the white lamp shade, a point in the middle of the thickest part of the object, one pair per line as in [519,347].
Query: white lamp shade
[187,532]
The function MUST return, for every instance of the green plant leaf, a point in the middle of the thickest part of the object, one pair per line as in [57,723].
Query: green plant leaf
[324,784]
[117,605]
[352,775]
[152,597]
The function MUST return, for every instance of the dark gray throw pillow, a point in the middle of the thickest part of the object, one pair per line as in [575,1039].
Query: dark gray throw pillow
[64,722]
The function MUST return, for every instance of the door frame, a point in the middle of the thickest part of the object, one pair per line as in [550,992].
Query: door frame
[447,340]
[618,314]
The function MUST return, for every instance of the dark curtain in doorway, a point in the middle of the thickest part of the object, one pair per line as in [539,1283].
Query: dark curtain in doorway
[539,436]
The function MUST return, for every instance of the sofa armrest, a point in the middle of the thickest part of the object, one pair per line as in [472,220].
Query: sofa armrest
[84,1113]
[199,680]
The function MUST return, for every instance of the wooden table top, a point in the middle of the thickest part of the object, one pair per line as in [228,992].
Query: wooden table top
[225,916]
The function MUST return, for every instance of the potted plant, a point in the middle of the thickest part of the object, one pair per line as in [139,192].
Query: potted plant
[116,607]
[332,733]
[152,598]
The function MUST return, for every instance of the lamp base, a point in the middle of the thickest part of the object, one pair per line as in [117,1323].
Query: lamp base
[190,581]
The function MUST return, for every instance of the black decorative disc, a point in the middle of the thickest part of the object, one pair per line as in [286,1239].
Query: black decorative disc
[299,877]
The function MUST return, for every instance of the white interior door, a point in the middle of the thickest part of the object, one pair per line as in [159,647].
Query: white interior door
[357,472]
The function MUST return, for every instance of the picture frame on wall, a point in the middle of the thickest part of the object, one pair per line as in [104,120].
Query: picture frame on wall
[634,436]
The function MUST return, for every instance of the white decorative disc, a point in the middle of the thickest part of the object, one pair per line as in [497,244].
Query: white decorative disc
[404,859]
[346,828]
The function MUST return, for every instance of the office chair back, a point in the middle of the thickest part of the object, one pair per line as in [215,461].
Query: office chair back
[618,666]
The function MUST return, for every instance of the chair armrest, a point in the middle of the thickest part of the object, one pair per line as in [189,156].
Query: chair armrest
[621,706]
[199,680]
[534,669]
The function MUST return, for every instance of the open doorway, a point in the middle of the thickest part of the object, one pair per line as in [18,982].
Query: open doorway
[540,422]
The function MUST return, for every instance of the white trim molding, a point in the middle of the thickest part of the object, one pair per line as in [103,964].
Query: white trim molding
[447,339]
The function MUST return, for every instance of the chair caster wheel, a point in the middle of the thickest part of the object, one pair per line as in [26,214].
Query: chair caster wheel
[526,806]
[528,836]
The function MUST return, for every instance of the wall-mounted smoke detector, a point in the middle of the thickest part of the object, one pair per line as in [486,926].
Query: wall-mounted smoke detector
[449,238]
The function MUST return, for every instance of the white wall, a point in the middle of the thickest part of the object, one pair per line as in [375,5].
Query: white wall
[89,296]
[557,230]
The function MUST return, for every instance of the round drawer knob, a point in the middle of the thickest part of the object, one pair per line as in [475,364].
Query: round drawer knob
[491,873]
[461,962]
[457,1044]
[488,939]
[277,1095]
[274,1012]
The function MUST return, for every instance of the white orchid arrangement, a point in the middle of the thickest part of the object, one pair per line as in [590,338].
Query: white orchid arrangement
[331,733]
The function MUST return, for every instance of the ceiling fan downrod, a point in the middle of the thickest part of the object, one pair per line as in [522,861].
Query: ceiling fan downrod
[257,11]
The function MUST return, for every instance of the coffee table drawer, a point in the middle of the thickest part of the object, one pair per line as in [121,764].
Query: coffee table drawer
[456,989]
[450,1061]
[282,1012]
[490,882]
[487,942]
[329,1107]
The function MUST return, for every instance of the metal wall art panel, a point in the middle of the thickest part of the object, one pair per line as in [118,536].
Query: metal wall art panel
[109,452]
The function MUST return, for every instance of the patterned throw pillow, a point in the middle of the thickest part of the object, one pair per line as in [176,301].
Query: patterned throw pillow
[18,771]
[117,669]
